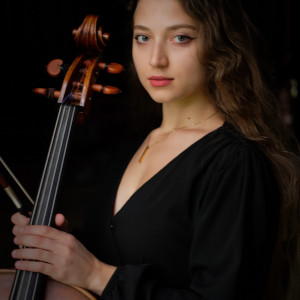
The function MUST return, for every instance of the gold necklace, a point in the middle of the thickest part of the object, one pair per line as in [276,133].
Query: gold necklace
[183,127]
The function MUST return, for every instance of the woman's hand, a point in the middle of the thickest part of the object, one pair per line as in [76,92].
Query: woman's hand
[20,220]
[59,255]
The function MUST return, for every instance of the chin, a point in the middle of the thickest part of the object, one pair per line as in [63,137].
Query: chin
[162,96]
[161,100]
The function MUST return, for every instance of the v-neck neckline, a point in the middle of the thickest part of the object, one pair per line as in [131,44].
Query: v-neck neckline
[158,173]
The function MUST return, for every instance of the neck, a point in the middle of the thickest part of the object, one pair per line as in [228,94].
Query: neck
[176,116]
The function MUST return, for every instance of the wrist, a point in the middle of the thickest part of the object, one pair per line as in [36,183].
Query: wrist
[100,276]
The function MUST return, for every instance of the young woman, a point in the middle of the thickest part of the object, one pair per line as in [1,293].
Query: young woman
[193,211]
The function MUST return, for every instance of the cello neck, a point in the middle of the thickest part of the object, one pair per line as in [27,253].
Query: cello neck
[49,185]
[28,285]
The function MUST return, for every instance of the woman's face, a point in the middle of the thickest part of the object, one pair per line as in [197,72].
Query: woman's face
[168,51]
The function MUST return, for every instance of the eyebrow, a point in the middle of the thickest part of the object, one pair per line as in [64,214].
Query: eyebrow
[174,27]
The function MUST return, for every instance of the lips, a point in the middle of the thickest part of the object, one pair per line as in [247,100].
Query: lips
[160,81]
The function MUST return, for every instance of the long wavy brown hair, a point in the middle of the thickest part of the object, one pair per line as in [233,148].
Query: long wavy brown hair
[236,81]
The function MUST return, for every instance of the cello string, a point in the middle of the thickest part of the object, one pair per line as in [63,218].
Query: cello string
[45,175]
[45,187]
[53,164]
[60,150]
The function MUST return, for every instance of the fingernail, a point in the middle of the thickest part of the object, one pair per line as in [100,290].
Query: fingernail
[16,240]
[13,253]
[17,264]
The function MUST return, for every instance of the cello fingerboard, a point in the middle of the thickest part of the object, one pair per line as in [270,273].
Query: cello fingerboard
[28,285]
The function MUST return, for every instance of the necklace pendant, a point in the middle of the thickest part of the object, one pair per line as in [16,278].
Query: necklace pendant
[143,154]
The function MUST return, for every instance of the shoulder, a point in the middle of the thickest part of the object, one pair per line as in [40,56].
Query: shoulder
[229,138]
[227,147]
[234,166]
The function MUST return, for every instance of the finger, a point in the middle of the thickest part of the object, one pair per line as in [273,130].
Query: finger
[33,254]
[19,219]
[17,229]
[45,237]
[61,222]
[45,231]
[35,241]
[34,266]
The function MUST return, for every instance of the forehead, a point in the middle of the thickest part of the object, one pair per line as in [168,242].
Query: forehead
[162,14]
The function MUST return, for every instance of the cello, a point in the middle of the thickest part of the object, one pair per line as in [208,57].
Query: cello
[74,101]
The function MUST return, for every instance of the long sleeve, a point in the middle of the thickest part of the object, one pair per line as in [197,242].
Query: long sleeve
[233,229]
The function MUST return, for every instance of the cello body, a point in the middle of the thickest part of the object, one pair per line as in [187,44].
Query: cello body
[53,289]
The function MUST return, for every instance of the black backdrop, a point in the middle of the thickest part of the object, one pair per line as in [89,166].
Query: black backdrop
[36,32]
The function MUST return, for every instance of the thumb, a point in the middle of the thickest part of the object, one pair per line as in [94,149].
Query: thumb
[61,222]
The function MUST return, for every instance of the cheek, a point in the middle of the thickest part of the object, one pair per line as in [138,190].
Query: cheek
[197,72]
[189,62]
[139,64]
[138,57]
[193,80]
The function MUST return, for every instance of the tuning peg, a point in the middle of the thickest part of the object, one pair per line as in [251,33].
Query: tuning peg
[50,93]
[53,94]
[108,90]
[55,66]
[112,68]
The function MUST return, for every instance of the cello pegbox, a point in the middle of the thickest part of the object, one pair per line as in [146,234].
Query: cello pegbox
[80,80]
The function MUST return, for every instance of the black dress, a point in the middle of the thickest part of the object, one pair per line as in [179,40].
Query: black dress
[202,228]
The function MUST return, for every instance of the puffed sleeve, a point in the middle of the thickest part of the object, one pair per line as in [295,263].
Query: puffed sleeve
[234,229]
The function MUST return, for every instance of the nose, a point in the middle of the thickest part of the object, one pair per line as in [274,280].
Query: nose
[159,57]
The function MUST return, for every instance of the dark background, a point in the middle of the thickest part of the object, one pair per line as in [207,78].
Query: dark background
[36,32]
